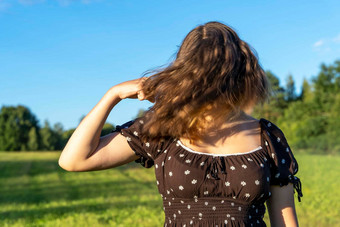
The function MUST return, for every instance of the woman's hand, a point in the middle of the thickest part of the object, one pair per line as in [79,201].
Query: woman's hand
[132,89]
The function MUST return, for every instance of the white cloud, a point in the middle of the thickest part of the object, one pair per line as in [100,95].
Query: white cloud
[327,44]
[318,43]
[336,39]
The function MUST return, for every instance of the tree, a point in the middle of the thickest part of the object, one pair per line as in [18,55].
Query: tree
[49,139]
[15,125]
[33,140]
[290,94]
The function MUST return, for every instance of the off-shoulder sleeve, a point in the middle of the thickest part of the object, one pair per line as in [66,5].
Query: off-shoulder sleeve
[147,151]
[283,163]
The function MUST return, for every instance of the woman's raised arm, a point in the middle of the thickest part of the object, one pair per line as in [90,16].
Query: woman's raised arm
[86,150]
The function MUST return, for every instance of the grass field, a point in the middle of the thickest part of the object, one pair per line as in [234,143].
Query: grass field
[35,191]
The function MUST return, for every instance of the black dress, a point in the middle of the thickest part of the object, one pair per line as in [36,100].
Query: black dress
[200,189]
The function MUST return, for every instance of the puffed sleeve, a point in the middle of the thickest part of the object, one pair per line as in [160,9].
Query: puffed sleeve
[147,151]
[283,163]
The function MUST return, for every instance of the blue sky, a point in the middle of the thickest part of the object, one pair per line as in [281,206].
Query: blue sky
[60,57]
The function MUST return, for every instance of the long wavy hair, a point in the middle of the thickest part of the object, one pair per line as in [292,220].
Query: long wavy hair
[214,76]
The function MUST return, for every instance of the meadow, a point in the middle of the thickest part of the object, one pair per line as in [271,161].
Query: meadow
[35,191]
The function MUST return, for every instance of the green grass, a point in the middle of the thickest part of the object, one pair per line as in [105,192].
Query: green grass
[35,191]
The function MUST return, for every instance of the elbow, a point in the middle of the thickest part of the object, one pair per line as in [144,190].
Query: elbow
[67,165]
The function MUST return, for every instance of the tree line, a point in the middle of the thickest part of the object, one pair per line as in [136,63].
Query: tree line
[309,120]
[20,131]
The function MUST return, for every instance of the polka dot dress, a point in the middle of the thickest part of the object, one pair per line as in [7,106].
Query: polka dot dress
[200,189]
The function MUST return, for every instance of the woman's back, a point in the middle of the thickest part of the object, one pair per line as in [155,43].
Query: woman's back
[241,136]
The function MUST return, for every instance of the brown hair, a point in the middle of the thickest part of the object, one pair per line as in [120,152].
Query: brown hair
[214,76]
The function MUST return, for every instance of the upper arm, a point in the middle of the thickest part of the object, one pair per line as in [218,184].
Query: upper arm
[113,150]
[281,206]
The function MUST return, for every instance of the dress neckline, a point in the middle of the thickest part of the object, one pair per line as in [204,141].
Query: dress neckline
[179,143]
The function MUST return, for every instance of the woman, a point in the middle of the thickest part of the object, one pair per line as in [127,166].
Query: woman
[215,164]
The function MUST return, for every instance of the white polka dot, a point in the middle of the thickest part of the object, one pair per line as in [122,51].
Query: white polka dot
[227,183]
[128,138]
[157,182]
[214,208]
[169,158]
[232,167]
[194,181]
[249,159]
[267,179]
[277,175]
[147,144]
[135,133]
[278,139]
[170,174]
[239,208]
[232,218]
[222,201]
[269,193]
[206,203]
[141,121]
[257,210]
[165,151]
[266,143]
[163,163]
[273,155]
[228,215]
[191,222]
[202,163]
[188,206]
[208,175]
[188,161]
[243,183]
[181,155]
[179,212]
[244,166]
[269,124]
[148,154]
[186,172]
[287,149]
[232,204]
[169,203]
[200,214]
[156,166]
[206,193]
[182,201]
[247,195]
[283,161]
[225,221]
[265,159]
[257,182]
[168,192]
[261,165]
[181,187]
[249,216]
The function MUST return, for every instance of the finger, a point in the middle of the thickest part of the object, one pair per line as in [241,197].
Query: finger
[140,95]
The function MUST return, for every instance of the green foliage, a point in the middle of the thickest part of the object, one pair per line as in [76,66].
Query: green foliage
[35,191]
[310,120]
[15,125]
[33,139]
